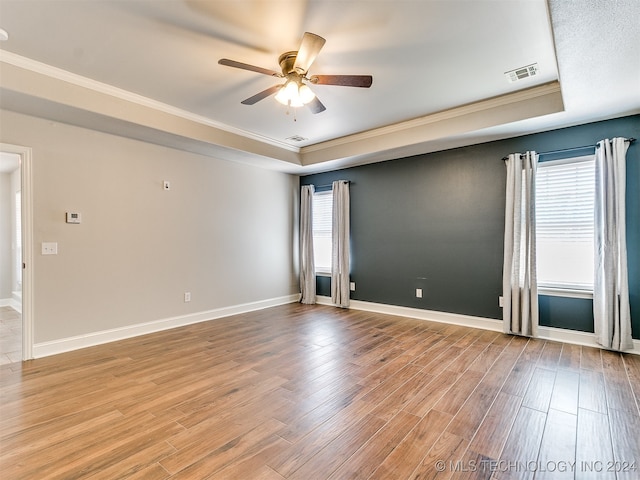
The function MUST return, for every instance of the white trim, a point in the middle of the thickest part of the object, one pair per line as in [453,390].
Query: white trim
[104,88]
[26,162]
[62,345]
[578,338]
[452,113]
[417,313]
[544,333]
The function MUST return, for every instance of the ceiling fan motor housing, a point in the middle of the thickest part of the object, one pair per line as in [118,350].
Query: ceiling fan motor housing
[287,60]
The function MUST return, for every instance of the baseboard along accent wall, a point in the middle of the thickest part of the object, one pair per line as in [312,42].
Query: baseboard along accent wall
[544,333]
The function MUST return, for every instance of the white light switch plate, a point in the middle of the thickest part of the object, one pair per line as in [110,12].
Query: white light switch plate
[49,248]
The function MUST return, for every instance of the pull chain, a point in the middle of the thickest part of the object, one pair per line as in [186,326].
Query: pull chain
[295,119]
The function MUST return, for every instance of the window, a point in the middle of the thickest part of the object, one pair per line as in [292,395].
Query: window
[322,219]
[565,192]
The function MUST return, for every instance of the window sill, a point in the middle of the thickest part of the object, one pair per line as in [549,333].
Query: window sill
[565,292]
[323,274]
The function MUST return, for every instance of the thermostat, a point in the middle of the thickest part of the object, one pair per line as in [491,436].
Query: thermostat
[73,217]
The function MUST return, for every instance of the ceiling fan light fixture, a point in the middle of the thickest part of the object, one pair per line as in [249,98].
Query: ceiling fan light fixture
[294,94]
[306,94]
[287,93]
[296,103]
[281,96]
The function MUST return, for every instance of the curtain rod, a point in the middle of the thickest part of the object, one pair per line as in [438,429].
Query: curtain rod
[630,140]
[331,184]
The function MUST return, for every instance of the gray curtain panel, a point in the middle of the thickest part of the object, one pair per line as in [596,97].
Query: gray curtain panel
[307,266]
[611,311]
[519,283]
[340,244]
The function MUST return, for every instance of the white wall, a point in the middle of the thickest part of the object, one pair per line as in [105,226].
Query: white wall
[16,254]
[5,236]
[224,232]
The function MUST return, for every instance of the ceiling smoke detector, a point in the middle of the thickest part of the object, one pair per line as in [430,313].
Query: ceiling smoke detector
[522,73]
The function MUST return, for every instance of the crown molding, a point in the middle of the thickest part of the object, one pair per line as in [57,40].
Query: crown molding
[418,134]
[206,135]
[452,113]
[121,94]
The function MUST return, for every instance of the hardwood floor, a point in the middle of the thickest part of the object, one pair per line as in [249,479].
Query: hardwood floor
[316,392]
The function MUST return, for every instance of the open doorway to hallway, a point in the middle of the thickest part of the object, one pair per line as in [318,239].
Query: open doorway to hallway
[10,258]
[10,336]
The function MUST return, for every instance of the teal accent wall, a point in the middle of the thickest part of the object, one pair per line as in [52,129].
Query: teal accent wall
[436,222]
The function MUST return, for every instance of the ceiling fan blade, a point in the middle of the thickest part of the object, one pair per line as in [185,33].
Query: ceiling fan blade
[316,106]
[309,48]
[262,95]
[246,66]
[363,81]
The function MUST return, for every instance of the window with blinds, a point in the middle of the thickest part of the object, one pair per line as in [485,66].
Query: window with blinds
[322,221]
[565,193]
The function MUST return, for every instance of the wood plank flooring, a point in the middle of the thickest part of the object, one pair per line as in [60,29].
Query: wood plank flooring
[316,392]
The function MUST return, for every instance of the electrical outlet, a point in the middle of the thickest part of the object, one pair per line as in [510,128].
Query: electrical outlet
[49,248]
[166,185]
[501,301]
[187,296]
[418,293]
[352,286]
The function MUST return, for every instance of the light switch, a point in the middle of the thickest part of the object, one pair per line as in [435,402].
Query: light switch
[49,248]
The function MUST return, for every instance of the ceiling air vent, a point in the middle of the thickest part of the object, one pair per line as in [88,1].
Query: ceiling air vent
[522,73]
[297,138]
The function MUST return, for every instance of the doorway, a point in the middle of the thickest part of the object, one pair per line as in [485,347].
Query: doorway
[16,337]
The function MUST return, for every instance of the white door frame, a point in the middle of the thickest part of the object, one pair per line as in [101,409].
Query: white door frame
[25,154]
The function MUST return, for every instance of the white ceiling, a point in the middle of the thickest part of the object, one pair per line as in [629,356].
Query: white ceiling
[431,61]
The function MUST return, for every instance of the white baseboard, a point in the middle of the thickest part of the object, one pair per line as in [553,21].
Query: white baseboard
[62,345]
[54,347]
[432,315]
[546,333]
[11,302]
[578,338]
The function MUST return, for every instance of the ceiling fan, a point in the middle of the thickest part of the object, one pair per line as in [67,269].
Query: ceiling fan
[295,67]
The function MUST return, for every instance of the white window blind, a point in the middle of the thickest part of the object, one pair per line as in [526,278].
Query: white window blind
[322,220]
[565,192]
